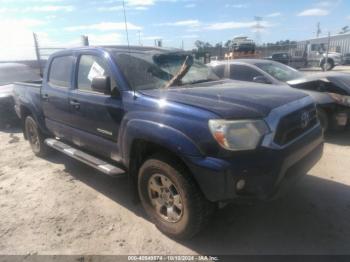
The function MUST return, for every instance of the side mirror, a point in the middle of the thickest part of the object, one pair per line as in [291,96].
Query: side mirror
[261,79]
[101,84]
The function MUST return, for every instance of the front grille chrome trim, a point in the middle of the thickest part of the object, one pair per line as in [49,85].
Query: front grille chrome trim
[277,114]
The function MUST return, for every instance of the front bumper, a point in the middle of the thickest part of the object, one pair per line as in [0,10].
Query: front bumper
[266,171]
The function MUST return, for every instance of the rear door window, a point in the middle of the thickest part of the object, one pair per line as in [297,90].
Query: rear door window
[61,71]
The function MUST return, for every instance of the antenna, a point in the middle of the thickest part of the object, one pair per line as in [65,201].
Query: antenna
[126,26]
[127,39]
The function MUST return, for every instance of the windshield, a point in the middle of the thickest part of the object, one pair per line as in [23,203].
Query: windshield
[12,74]
[149,71]
[279,71]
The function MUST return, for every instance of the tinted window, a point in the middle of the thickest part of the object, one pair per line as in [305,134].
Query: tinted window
[280,72]
[89,67]
[243,73]
[219,71]
[280,56]
[61,71]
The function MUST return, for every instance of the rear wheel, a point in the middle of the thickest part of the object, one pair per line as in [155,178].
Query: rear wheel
[171,198]
[327,66]
[35,137]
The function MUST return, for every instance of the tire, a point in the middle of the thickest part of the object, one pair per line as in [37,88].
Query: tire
[330,65]
[35,137]
[189,212]
[324,121]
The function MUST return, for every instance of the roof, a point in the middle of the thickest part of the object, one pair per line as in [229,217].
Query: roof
[122,49]
[347,35]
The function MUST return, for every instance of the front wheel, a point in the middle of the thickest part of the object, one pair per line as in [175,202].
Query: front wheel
[171,198]
[35,137]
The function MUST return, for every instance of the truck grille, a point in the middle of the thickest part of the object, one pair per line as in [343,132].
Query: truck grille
[295,124]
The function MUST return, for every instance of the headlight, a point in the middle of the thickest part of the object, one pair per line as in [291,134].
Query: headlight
[238,135]
[340,99]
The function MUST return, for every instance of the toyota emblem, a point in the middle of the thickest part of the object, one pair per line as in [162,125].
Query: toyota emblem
[305,120]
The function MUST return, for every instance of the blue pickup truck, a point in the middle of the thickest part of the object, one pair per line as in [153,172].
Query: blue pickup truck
[186,139]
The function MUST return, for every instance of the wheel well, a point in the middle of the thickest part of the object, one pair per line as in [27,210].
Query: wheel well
[24,113]
[330,60]
[141,150]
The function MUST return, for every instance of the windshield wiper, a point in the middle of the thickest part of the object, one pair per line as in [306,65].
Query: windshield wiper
[180,74]
[201,81]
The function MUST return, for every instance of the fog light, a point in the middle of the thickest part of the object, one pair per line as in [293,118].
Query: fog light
[240,184]
[342,119]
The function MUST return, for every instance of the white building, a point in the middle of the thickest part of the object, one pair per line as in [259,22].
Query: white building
[338,43]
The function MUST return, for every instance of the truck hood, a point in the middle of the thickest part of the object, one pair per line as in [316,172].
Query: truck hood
[230,99]
[324,82]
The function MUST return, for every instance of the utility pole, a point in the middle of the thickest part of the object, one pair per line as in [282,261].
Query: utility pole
[139,32]
[329,42]
[318,30]
[158,42]
[37,52]
[85,40]
[258,27]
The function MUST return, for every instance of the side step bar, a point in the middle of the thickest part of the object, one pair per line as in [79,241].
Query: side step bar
[90,160]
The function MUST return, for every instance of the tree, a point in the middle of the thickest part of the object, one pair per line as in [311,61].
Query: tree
[199,44]
[202,46]
[207,45]
[228,43]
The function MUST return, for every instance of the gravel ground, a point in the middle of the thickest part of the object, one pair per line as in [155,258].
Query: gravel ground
[60,206]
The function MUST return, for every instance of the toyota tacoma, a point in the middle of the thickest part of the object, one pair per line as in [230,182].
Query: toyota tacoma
[186,139]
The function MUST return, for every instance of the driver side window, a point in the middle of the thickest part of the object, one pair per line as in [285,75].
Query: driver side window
[91,66]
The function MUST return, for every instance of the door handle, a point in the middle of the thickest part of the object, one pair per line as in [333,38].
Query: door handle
[74,104]
[45,97]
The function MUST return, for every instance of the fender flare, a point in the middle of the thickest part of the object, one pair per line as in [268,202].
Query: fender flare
[39,120]
[166,136]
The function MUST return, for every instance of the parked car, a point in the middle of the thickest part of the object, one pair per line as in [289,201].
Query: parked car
[331,91]
[287,59]
[313,55]
[9,73]
[185,139]
[316,54]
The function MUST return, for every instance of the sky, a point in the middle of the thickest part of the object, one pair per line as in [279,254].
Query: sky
[176,22]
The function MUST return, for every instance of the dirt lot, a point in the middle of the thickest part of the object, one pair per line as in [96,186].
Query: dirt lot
[59,206]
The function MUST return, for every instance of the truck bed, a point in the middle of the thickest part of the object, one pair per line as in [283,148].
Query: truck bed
[28,94]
